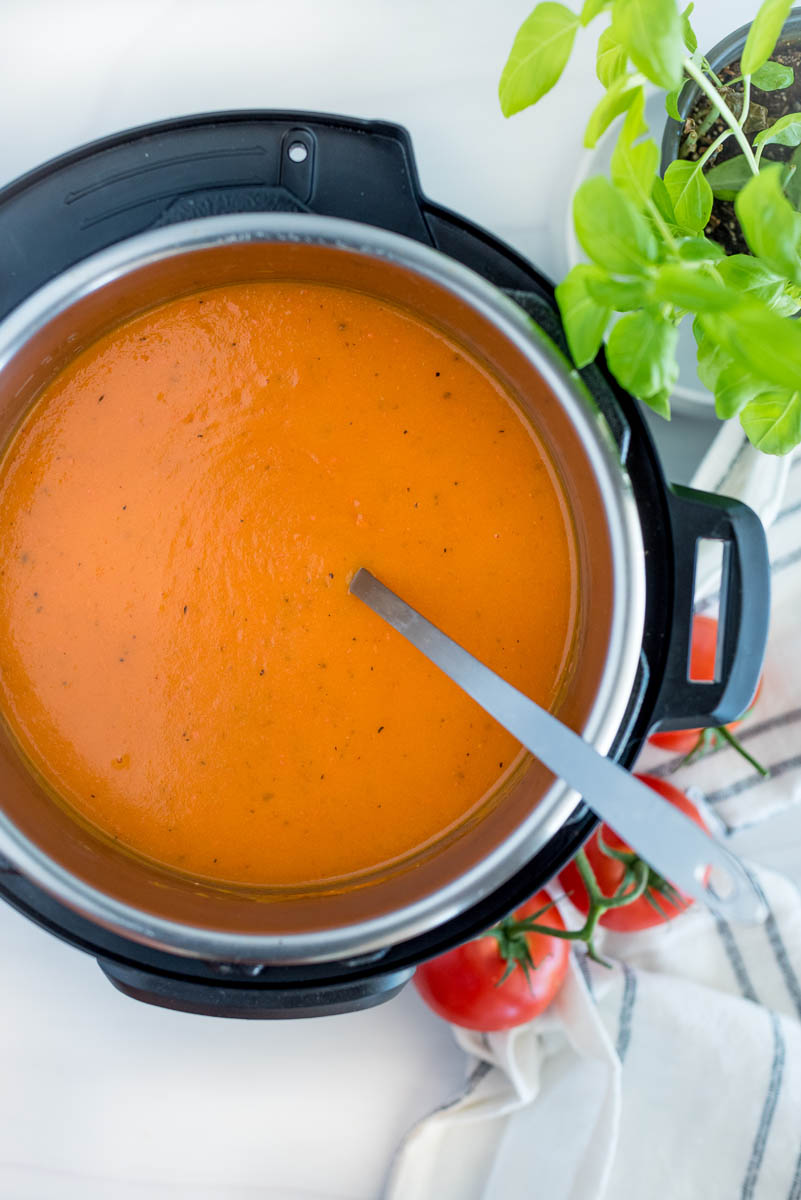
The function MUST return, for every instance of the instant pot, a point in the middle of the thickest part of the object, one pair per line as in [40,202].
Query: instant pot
[97,235]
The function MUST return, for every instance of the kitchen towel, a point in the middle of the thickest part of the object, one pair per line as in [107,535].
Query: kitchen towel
[676,1073]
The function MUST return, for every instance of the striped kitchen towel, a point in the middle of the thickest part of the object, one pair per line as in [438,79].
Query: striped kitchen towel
[737,794]
[674,1074]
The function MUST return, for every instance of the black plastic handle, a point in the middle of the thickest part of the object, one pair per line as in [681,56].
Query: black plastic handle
[744,611]
[255,1001]
[260,160]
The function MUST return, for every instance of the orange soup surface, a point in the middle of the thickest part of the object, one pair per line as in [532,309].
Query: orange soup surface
[182,511]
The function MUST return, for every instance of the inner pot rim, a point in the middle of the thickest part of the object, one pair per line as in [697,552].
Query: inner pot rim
[627,566]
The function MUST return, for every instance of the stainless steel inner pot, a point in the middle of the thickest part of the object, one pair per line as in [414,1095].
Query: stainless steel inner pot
[200,918]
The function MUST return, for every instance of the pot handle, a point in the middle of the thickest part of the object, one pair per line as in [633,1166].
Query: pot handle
[684,703]
[253,1001]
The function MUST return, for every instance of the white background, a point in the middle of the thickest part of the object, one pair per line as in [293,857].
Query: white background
[92,1084]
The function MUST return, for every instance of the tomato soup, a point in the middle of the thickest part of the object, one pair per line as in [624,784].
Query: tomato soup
[182,511]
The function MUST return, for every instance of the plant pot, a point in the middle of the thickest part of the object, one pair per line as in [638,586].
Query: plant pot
[735,465]
[690,393]
[727,50]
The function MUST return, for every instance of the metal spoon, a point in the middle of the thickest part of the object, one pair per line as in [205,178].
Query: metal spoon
[672,844]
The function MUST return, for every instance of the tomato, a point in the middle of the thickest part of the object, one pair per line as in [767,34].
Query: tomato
[703,652]
[680,741]
[466,985]
[641,913]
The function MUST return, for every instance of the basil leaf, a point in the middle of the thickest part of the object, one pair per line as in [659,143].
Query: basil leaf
[730,177]
[687,31]
[770,224]
[641,353]
[538,56]
[772,422]
[635,123]
[772,76]
[791,181]
[749,276]
[764,34]
[732,384]
[621,295]
[660,401]
[691,194]
[610,61]
[619,98]
[735,387]
[662,200]
[712,359]
[611,230]
[591,9]
[584,319]
[784,132]
[651,32]
[766,344]
[687,287]
[672,104]
[700,250]
[788,301]
[633,167]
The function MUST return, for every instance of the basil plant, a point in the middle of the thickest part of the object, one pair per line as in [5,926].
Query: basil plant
[650,260]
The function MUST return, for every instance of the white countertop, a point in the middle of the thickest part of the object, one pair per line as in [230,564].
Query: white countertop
[93,1082]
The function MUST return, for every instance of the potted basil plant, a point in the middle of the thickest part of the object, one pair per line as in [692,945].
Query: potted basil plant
[657,257]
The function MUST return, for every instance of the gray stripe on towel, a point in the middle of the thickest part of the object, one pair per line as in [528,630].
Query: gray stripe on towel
[788,512]
[584,967]
[479,1071]
[795,1186]
[783,960]
[626,1010]
[736,961]
[768,1110]
[786,560]
[777,721]
[752,781]
[731,465]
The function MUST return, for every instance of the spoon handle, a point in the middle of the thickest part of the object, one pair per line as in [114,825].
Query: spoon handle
[671,843]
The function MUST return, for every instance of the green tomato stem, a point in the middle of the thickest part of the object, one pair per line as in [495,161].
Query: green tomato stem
[708,741]
[625,856]
[568,935]
[588,878]
[701,746]
[509,930]
[724,110]
[729,737]
[622,898]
